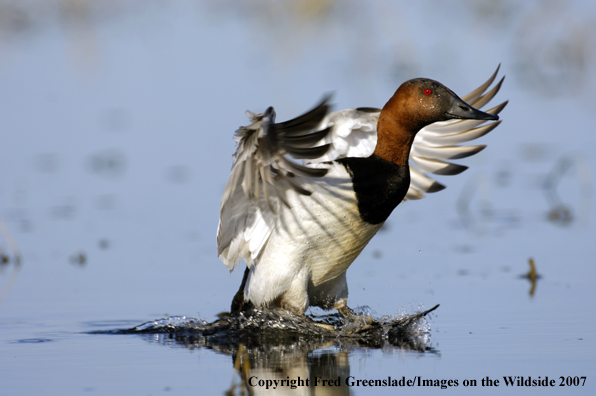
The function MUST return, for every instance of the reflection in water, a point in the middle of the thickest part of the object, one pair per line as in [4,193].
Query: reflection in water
[477,211]
[569,180]
[297,367]
[562,213]
[274,345]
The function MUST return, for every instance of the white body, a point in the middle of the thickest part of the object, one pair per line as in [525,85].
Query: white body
[311,246]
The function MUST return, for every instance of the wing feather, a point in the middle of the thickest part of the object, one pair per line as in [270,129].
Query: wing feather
[460,137]
[438,167]
[438,142]
[353,133]
[264,170]
[475,94]
[423,183]
[445,152]
[484,99]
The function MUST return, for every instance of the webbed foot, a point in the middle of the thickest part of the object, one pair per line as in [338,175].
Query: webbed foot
[355,323]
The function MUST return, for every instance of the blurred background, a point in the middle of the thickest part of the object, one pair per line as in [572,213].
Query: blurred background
[116,125]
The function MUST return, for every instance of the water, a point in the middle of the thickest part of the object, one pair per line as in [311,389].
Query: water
[117,124]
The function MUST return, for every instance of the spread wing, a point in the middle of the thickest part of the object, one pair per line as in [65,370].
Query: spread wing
[263,172]
[354,134]
[438,143]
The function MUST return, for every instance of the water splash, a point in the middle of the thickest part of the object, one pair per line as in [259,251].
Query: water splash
[271,327]
[172,323]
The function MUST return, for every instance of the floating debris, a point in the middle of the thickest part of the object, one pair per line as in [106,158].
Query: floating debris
[532,276]
[5,260]
[12,244]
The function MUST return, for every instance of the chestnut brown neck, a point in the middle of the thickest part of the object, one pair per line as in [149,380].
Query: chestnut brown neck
[394,141]
[397,126]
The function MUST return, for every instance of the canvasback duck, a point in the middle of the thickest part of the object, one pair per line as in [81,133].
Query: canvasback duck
[305,196]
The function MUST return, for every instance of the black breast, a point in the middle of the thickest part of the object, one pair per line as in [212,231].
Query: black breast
[380,186]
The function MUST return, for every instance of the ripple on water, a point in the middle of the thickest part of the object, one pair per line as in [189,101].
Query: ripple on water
[33,340]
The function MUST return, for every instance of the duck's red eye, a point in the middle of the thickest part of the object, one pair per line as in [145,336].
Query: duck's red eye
[427,91]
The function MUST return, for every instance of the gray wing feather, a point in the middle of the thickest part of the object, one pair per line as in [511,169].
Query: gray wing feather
[264,170]
[438,142]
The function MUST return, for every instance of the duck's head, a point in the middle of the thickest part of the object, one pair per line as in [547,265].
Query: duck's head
[422,101]
[416,104]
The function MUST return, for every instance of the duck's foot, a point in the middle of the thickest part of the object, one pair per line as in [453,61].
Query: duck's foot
[325,326]
[355,323]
